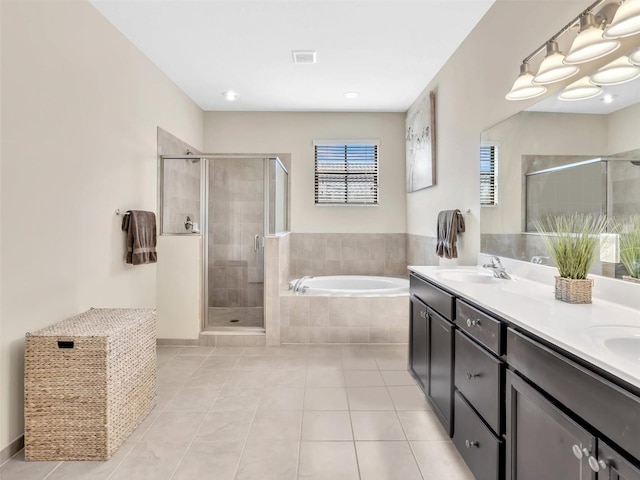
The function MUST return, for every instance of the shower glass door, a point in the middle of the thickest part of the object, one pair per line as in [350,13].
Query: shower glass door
[235,249]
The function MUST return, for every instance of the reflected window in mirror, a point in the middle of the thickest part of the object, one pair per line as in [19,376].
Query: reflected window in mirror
[488,175]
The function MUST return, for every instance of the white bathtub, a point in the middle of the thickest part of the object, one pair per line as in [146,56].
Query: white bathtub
[360,285]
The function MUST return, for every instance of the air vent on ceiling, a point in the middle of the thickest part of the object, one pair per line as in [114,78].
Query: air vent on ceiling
[302,57]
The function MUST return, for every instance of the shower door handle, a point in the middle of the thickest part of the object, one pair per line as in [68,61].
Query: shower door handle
[256,243]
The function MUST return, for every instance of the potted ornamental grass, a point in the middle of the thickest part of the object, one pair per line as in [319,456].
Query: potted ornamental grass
[573,241]
[628,230]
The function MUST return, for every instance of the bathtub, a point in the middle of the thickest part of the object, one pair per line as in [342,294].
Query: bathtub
[347,285]
[346,309]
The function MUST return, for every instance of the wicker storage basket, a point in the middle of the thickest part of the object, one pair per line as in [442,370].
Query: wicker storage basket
[89,382]
[571,290]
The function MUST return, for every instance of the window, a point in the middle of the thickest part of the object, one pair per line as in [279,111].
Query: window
[488,175]
[346,173]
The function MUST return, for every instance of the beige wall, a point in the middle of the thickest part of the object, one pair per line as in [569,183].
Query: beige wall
[294,133]
[535,133]
[624,130]
[470,92]
[80,108]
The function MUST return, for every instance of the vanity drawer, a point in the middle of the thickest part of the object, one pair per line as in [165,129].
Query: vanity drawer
[479,447]
[437,299]
[608,408]
[479,376]
[487,330]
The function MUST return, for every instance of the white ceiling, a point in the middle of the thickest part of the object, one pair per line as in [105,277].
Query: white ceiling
[388,51]
[624,95]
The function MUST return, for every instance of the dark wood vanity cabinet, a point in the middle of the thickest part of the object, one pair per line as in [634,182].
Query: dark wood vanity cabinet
[612,466]
[431,352]
[541,441]
[519,408]
[440,390]
[418,341]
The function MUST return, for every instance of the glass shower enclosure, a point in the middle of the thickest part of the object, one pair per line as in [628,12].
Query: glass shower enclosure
[241,198]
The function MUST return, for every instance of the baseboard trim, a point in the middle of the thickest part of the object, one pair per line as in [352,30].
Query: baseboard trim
[177,342]
[10,450]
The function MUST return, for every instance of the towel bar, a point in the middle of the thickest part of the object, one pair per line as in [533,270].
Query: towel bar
[118,212]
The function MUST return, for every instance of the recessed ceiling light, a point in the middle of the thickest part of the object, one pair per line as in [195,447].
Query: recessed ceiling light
[608,98]
[351,94]
[230,95]
[304,57]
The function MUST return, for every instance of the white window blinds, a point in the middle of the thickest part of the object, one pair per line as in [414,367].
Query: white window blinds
[488,175]
[346,174]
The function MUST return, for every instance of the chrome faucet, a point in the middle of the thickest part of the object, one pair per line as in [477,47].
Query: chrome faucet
[495,265]
[539,260]
[298,285]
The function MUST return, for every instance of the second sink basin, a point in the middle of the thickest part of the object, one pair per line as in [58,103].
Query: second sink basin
[468,276]
[621,340]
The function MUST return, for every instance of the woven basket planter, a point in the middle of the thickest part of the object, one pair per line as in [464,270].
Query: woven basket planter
[89,382]
[571,290]
[631,279]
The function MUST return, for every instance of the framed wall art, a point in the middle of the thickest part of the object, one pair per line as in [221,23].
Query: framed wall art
[420,136]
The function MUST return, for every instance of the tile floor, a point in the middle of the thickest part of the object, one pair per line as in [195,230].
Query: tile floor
[294,412]
[242,316]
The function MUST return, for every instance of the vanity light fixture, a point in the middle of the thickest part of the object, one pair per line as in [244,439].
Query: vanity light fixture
[626,21]
[553,68]
[580,90]
[523,88]
[589,44]
[621,70]
[635,57]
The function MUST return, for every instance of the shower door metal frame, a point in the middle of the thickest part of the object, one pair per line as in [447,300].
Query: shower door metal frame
[204,213]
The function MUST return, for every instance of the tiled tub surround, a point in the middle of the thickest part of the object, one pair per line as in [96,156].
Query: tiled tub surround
[293,412]
[349,254]
[308,318]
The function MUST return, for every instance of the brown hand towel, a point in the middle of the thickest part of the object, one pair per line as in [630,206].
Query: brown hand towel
[450,224]
[141,237]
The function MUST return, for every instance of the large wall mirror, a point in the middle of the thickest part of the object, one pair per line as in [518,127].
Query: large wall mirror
[564,157]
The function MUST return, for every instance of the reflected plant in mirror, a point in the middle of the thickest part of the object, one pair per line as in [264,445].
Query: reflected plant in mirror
[628,230]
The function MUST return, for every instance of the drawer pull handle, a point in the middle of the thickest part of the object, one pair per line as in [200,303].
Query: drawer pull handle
[471,376]
[473,323]
[471,443]
[579,451]
[423,314]
[597,465]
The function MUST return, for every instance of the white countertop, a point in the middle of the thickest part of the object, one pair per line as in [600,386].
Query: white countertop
[579,329]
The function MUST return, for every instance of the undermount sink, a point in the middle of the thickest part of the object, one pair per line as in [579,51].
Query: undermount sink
[468,276]
[621,340]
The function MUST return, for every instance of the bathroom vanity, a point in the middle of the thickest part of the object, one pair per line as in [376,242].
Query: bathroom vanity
[528,388]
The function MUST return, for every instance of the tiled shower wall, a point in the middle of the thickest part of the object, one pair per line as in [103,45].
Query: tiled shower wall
[181,184]
[625,188]
[236,215]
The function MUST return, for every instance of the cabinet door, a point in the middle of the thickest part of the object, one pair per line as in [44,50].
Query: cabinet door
[542,442]
[418,341]
[441,369]
[613,466]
